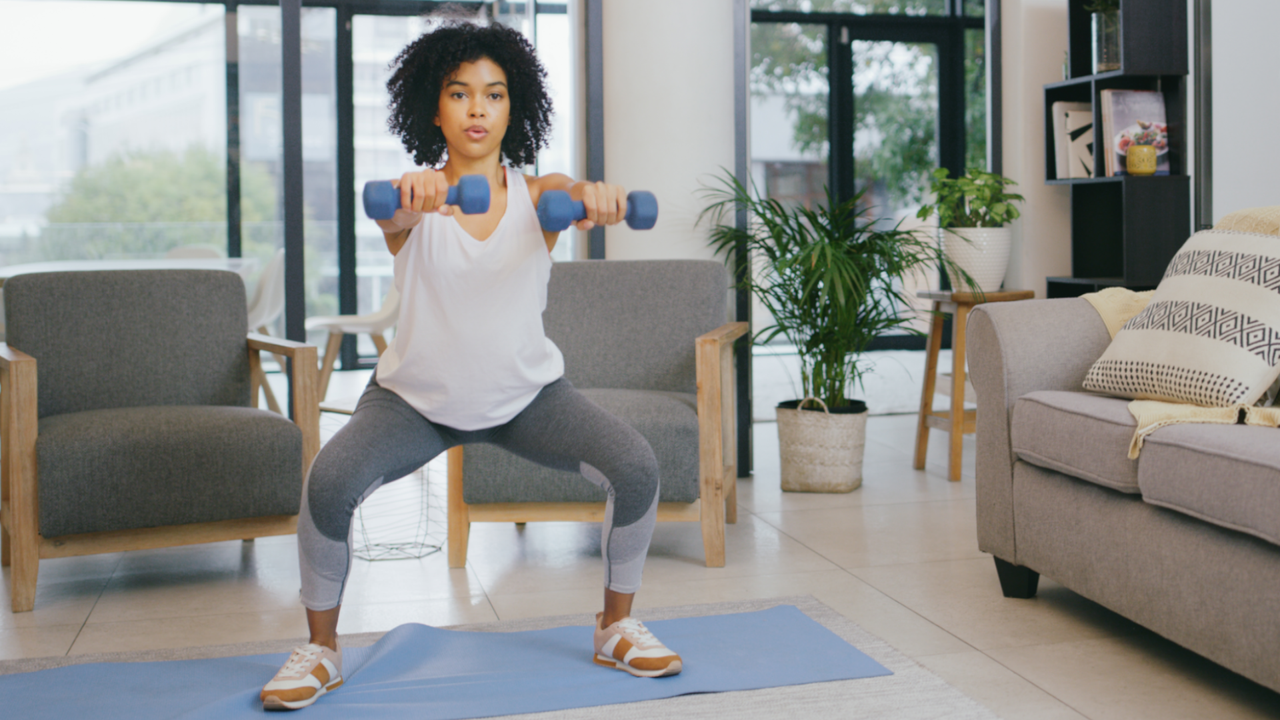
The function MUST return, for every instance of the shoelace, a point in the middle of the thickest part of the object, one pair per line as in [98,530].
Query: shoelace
[639,634]
[298,663]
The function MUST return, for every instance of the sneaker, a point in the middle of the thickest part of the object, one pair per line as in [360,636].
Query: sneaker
[628,645]
[312,670]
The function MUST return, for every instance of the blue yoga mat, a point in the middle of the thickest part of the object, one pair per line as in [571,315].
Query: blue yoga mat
[424,672]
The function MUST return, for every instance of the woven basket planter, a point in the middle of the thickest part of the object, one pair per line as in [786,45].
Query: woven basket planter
[821,451]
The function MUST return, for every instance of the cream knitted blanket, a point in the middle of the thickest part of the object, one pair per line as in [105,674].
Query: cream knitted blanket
[1116,306]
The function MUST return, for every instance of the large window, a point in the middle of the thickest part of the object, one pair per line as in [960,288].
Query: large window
[262,153]
[114,142]
[112,130]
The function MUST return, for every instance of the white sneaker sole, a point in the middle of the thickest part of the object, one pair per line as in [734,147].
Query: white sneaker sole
[672,669]
[271,702]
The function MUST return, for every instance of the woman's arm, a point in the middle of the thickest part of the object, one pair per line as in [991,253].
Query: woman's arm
[605,204]
[420,192]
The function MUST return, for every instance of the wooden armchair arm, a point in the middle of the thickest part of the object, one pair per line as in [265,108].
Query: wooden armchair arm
[306,378]
[717,429]
[726,333]
[11,355]
[19,501]
[279,346]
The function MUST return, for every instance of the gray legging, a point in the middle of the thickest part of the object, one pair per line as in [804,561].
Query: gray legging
[387,439]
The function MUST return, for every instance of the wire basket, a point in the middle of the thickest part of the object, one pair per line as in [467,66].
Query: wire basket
[401,520]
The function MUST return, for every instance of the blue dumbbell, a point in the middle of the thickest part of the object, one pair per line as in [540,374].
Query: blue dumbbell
[471,195]
[557,212]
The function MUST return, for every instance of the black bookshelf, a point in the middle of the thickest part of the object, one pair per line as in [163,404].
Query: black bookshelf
[1124,230]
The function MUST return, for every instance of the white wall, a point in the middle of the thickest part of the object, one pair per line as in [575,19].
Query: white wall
[668,109]
[1246,105]
[1034,38]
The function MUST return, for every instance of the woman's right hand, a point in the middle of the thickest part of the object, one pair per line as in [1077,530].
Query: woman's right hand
[420,192]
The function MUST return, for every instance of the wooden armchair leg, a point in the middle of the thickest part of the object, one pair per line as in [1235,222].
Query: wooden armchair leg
[5,547]
[331,351]
[25,559]
[459,517]
[713,517]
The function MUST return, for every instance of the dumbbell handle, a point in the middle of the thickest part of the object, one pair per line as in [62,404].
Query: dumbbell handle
[471,195]
[556,211]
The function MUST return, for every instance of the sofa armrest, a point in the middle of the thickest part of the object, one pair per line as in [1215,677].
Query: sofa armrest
[1013,349]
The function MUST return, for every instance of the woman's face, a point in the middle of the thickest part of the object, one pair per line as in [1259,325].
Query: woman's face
[475,108]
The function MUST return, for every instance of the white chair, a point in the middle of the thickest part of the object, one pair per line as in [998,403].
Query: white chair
[194,252]
[265,308]
[373,324]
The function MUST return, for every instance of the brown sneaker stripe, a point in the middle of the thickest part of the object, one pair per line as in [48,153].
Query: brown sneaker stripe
[621,649]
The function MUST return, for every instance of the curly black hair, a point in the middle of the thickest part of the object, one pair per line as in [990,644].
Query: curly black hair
[421,69]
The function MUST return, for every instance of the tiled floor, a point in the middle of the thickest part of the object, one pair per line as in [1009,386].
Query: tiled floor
[898,556]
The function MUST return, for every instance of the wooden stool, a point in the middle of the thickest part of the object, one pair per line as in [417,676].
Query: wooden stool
[957,421]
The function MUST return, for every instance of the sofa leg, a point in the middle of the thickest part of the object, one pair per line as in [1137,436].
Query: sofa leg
[1017,581]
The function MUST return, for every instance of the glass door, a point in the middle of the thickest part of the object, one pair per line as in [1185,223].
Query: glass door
[895,124]
[895,142]
[866,98]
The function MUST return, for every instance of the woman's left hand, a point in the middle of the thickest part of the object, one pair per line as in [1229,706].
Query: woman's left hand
[605,204]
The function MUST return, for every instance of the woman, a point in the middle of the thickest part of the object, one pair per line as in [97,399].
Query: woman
[470,361]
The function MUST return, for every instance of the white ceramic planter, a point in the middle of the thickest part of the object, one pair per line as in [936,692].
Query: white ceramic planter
[820,451]
[981,252]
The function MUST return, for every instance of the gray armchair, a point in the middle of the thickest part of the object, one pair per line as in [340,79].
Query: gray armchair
[137,431]
[647,341]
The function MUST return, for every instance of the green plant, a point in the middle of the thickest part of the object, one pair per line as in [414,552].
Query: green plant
[1103,6]
[831,277]
[976,200]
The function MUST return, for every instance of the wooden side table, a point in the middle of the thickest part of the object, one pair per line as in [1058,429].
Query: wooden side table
[957,420]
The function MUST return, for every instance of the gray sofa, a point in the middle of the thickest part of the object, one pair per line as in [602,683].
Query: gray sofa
[1185,540]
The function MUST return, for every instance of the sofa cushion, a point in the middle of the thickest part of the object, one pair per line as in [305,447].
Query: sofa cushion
[1228,475]
[1080,434]
[144,467]
[1210,334]
[668,420]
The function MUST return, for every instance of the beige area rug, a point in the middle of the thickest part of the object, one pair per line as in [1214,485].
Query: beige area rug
[911,693]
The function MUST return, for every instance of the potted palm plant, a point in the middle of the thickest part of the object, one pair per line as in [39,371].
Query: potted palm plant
[833,280]
[972,212]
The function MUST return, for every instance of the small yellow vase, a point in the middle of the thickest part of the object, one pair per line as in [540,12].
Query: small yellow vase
[1141,160]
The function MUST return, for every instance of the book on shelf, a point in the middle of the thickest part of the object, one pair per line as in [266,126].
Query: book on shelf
[1062,136]
[1080,135]
[1133,117]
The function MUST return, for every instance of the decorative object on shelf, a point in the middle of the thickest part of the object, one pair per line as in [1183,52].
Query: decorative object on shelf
[1063,134]
[1080,137]
[1134,117]
[972,212]
[1105,21]
[1141,160]
[832,278]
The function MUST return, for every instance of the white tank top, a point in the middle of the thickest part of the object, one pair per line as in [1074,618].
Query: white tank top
[469,350]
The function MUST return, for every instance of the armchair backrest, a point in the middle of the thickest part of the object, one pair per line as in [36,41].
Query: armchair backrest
[131,338]
[631,324]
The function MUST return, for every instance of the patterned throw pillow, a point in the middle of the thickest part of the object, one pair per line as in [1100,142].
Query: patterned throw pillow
[1211,333]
